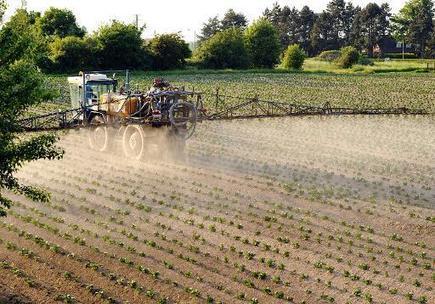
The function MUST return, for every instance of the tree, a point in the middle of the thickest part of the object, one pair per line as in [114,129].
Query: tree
[374,24]
[120,46]
[430,50]
[288,23]
[307,20]
[225,50]
[61,23]
[22,87]
[233,19]
[414,23]
[21,39]
[262,44]
[294,57]
[211,27]
[322,33]
[72,53]
[356,34]
[169,51]
[349,18]
[337,12]
[214,25]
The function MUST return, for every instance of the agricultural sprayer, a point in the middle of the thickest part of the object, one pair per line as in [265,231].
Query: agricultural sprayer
[164,115]
[115,113]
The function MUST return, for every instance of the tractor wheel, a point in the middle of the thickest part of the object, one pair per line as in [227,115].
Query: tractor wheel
[183,117]
[133,142]
[98,134]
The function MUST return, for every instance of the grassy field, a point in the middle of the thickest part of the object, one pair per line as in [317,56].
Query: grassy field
[380,90]
[296,210]
[379,66]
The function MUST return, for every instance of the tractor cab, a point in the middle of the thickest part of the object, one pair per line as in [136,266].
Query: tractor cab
[86,90]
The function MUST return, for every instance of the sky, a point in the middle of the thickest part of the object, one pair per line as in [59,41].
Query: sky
[169,16]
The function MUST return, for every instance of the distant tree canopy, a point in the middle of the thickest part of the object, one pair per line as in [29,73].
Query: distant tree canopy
[374,25]
[119,45]
[20,38]
[233,19]
[60,23]
[340,24]
[73,53]
[214,25]
[262,44]
[22,87]
[224,50]
[415,24]
[169,51]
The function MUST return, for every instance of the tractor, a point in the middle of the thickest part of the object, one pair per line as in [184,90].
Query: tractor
[142,121]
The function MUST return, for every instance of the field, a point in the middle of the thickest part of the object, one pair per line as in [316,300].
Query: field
[385,90]
[295,210]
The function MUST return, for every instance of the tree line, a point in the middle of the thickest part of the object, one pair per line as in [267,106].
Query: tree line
[343,24]
[61,45]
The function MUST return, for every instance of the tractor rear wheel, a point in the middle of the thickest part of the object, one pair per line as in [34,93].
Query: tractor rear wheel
[98,134]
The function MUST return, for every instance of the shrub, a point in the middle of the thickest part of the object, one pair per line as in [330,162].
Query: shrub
[262,43]
[225,50]
[294,57]
[61,23]
[120,46]
[365,61]
[330,56]
[169,51]
[348,57]
[400,56]
[71,53]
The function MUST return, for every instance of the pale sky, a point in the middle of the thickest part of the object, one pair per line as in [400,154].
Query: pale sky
[166,16]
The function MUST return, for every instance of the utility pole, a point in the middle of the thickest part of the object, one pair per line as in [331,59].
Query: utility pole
[137,21]
[24,4]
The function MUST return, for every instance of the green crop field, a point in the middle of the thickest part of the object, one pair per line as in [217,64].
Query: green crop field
[385,90]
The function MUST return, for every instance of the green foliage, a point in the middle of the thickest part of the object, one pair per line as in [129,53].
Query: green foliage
[373,25]
[329,56]
[293,26]
[22,87]
[294,57]
[400,55]
[365,61]
[60,23]
[3,7]
[209,29]
[120,46]
[233,19]
[348,57]
[72,53]
[169,51]
[414,23]
[263,44]
[215,25]
[225,50]
[21,39]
